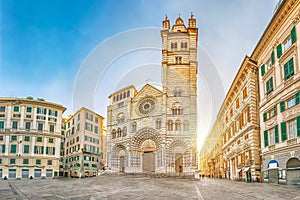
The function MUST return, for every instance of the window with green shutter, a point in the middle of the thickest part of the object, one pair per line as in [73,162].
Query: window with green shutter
[265,117]
[38,162]
[40,126]
[14,138]
[293,34]
[28,109]
[269,85]
[26,148]
[276,134]
[266,139]
[47,150]
[39,139]
[0,160]
[51,128]
[50,140]
[297,97]
[298,126]
[3,148]
[13,148]
[12,161]
[1,124]
[16,108]
[263,69]
[279,50]
[282,106]
[27,138]
[25,161]
[288,68]
[283,131]
[275,110]
[272,57]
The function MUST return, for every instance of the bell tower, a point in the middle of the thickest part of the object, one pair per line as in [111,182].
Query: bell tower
[179,82]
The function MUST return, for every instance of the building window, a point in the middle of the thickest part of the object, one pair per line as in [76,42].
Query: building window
[288,68]
[51,129]
[272,136]
[183,45]
[13,138]
[27,126]
[12,161]
[158,124]
[39,139]
[38,161]
[245,93]
[113,134]
[29,109]
[133,126]
[292,129]
[16,108]
[78,117]
[119,132]
[25,161]
[1,124]
[26,148]
[41,111]
[27,138]
[15,125]
[178,59]
[177,125]
[13,148]
[89,116]
[174,45]
[50,140]
[40,127]
[237,103]
[269,85]
[231,112]
[287,43]
[50,150]
[96,129]
[2,148]
[38,149]
[2,108]
[291,102]
[170,125]
[124,131]
[88,126]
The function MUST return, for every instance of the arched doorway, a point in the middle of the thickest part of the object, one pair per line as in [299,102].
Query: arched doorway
[293,171]
[148,148]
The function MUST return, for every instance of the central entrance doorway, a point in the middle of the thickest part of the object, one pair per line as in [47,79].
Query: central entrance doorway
[122,163]
[178,163]
[149,161]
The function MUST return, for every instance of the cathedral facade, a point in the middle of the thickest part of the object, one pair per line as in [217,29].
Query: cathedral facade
[154,130]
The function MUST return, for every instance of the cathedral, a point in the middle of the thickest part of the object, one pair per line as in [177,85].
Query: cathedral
[153,130]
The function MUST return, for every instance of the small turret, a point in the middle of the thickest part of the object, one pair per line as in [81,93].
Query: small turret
[166,23]
[192,21]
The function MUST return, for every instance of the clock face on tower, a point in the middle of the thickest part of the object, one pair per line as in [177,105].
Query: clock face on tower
[146,106]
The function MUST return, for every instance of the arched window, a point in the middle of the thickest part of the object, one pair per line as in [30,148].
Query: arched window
[158,123]
[113,134]
[124,131]
[133,126]
[119,132]
[186,125]
[170,125]
[177,125]
[120,118]
[177,109]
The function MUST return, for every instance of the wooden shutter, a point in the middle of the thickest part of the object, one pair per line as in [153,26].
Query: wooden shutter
[297,97]
[266,139]
[282,106]
[279,50]
[298,126]
[263,69]
[272,57]
[265,117]
[283,131]
[276,134]
[293,34]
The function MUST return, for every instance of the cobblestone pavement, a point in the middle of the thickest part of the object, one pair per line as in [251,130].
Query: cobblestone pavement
[139,187]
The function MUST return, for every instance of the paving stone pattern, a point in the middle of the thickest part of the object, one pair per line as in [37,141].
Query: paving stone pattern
[115,186]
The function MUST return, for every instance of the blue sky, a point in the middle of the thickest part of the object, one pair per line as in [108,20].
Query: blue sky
[44,43]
